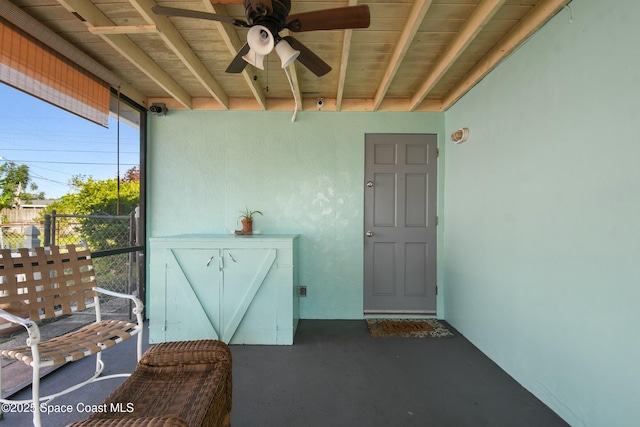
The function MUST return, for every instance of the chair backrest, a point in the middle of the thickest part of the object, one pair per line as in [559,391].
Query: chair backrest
[46,282]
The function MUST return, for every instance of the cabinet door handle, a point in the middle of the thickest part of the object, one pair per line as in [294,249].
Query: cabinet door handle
[210,259]
[231,258]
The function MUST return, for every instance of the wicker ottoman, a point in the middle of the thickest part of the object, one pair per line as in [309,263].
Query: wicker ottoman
[175,384]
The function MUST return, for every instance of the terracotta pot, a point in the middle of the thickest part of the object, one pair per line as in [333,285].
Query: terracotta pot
[247,227]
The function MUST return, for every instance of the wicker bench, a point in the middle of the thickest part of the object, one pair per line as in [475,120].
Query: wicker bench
[46,283]
[182,384]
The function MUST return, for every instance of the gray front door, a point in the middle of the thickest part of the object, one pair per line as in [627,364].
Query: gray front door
[400,223]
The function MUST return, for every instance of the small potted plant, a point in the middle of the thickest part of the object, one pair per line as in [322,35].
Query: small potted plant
[246,217]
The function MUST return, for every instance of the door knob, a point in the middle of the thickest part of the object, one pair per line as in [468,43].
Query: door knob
[369,233]
[369,183]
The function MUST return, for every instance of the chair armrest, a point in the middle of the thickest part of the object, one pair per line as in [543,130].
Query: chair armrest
[29,325]
[14,319]
[116,294]
[137,310]
[136,300]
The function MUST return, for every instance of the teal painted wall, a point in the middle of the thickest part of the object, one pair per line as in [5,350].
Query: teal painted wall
[307,178]
[542,215]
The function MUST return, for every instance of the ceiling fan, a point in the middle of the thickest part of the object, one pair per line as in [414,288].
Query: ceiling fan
[267,18]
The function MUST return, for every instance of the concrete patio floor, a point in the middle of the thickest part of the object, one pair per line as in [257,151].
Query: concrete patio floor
[336,374]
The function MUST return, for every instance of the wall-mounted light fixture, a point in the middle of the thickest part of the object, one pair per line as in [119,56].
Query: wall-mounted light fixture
[460,136]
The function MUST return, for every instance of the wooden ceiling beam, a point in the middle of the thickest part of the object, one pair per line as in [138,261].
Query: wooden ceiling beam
[536,18]
[481,15]
[344,61]
[234,44]
[172,38]
[416,16]
[128,49]
[123,29]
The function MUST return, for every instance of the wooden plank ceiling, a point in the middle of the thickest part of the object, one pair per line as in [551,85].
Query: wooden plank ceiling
[417,55]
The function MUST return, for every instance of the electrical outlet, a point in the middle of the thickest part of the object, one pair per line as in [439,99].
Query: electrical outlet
[302,291]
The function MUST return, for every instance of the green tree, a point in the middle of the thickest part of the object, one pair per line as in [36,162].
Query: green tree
[99,198]
[92,197]
[14,181]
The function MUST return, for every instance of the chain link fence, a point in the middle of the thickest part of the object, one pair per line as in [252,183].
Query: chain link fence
[12,236]
[108,237]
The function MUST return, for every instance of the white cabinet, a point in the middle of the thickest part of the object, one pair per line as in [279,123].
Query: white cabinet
[238,289]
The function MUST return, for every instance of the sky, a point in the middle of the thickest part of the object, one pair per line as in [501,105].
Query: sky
[57,145]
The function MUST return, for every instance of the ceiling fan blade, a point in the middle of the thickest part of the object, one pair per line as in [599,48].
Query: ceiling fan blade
[309,59]
[340,18]
[170,11]
[238,64]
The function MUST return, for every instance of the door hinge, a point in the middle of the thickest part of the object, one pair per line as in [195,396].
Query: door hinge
[437,152]
[436,289]
[437,220]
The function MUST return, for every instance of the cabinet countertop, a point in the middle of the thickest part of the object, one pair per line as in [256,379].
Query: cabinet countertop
[228,237]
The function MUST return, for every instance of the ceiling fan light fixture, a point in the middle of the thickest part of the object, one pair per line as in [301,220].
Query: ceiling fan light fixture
[265,19]
[254,59]
[260,40]
[286,53]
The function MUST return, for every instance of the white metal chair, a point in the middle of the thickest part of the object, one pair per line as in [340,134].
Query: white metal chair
[48,283]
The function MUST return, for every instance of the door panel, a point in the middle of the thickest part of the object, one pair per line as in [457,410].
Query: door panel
[384,266]
[244,275]
[400,223]
[385,154]
[416,261]
[192,280]
[417,191]
[384,200]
